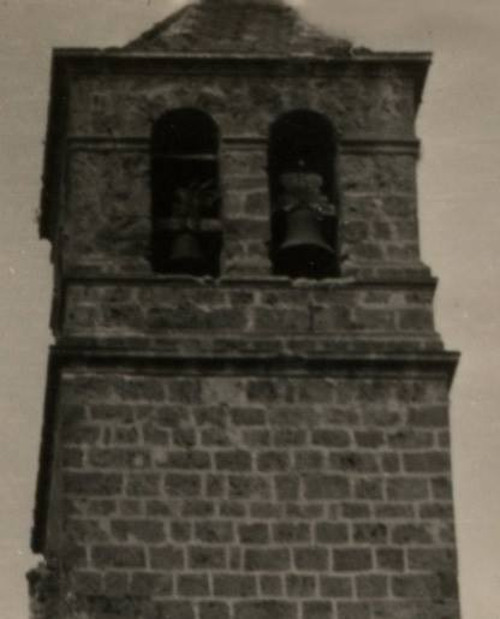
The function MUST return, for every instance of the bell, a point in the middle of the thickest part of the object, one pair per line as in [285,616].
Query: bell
[304,252]
[186,255]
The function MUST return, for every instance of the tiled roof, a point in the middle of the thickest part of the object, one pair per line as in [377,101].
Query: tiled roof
[238,27]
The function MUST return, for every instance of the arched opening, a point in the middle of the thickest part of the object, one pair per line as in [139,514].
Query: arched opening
[303,195]
[185,193]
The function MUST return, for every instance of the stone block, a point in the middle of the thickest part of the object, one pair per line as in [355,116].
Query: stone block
[255,533]
[174,609]
[269,559]
[193,585]
[391,463]
[143,484]
[415,609]
[235,585]
[427,462]
[248,417]
[370,533]
[80,434]
[410,438]
[416,586]
[265,609]
[72,458]
[336,587]
[311,559]
[287,487]
[87,582]
[146,531]
[324,437]
[288,437]
[116,584]
[187,459]
[416,320]
[185,391]
[354,610]
[86,483]
[432,559]
[292,532]
[197,508]
[307,460]
[139,389]
[151,584]
[372,586]
[441,488]
[282,320]
[119,458]
[169,416]
[407,489]
[391,559]
[182,485]
[331,533]
[300,585]
[207,558]
[271,585]
[213,610]
[249,487]
[264,511]
[214,532]
[356,511]
[394,511]
[180,531]
[352,559]
[317,610]
[273,461]
[118,556]
[354,461]
[233,460]
[169,558]
[326,487]
[370,439]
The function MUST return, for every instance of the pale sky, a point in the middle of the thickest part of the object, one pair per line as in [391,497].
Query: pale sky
[459,187]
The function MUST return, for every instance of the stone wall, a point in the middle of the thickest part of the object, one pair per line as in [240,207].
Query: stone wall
[105,220]
[244,98]
[264,496]
[251,446]
[187,317]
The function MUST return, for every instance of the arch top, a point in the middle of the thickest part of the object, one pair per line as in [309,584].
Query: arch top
[185,130]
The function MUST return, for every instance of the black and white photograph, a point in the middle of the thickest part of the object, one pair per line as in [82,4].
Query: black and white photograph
[249,311]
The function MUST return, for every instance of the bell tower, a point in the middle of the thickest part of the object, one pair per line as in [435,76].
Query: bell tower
[247,402]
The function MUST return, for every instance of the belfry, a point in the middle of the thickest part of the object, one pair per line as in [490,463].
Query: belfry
[246,413]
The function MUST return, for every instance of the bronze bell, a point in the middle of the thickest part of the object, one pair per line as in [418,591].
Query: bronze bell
[186,255]
[304,252]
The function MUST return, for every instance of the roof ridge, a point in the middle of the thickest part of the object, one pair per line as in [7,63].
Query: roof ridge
[159,26]
[238,27]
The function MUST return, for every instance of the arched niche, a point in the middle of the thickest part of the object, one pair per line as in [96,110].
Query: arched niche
[301,163]
[185,193]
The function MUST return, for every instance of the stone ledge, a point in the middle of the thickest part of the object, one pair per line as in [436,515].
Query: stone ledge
[158,360]
[418,277]
[224,347]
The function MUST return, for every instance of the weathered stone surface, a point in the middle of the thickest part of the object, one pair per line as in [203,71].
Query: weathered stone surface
[204,488]
[107,224]
[376,104]
[108,214]
[309,310]
[266,26]
[245,446]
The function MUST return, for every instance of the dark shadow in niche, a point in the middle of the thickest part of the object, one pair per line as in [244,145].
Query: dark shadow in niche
[185,193]
[304,195]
